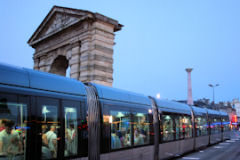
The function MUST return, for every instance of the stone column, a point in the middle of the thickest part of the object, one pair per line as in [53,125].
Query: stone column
[73,56]
[97,54]
[36,63]
[189,99]
[42,63]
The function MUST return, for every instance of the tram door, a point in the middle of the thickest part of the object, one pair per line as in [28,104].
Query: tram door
[48,128]
[60,129]
[71,119]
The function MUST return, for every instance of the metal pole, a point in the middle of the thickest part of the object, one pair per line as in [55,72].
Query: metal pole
[213,95]
[213,86]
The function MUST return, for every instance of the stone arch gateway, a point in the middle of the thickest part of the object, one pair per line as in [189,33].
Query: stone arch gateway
[59,66]
[78,39]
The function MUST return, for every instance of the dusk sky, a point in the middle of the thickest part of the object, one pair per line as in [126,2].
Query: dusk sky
[160,38]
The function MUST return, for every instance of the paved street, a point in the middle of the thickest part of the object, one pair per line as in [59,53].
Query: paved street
[227,150]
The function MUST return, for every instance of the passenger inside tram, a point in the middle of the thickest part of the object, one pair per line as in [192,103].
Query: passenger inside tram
[10,144]
[138,138]
[122,132]
[115,143]
[127,138]
[46,153]
[52,140]
[2,126]
[71,140]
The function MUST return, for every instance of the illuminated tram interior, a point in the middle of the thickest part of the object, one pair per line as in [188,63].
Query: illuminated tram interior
[40,121]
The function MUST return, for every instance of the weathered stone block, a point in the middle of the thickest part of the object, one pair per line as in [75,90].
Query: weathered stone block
[103,26]
[74,59]
[75,75]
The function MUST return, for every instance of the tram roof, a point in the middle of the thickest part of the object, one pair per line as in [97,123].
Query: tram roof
[223,113]
[173,106]
[17,76]
[110,93]
[199,111]
[213,112]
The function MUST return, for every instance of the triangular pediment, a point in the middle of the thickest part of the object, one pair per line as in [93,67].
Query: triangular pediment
[57,22]
[57,19]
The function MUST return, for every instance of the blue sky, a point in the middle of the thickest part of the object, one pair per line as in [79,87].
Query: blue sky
[160,38]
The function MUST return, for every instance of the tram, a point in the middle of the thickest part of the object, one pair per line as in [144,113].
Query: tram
[46,116]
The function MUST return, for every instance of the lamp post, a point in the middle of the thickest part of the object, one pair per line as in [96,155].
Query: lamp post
[158,96]
[213,86]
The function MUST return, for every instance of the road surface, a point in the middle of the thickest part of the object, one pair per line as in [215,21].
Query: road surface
[227,150]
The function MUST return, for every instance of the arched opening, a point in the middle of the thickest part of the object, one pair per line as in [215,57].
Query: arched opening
[59,66]
[68,72]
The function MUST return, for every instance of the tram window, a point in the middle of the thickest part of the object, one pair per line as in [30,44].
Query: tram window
[218,125]
[212,127]
[215,125]
[120,129]
[168,128]
[187,126]
[49,126]
[179,127]
[226,125]
[71,131]
[141,128]
[13,118]
[201,126]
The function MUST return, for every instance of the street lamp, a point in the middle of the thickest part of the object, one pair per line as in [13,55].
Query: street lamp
[158,96]
[213,86]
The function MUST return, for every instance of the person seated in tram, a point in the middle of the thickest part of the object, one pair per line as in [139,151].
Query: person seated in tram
[115,141]
[52,140]
[10,144]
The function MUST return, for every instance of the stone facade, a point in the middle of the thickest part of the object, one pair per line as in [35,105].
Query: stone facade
[236,104]
[78,39]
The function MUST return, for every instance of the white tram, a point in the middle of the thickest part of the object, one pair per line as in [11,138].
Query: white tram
[45,116]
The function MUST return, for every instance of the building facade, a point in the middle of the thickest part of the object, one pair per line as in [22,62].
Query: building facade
[236,104]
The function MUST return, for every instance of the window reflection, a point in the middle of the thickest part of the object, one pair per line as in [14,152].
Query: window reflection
[215,125]
[120,129]
[187,126]
[125,133]
[168,128]
[49,131]
[201,126]
[226,124]
[176,127]
[71,134]
[141,129]
[13,118]
[179,127]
